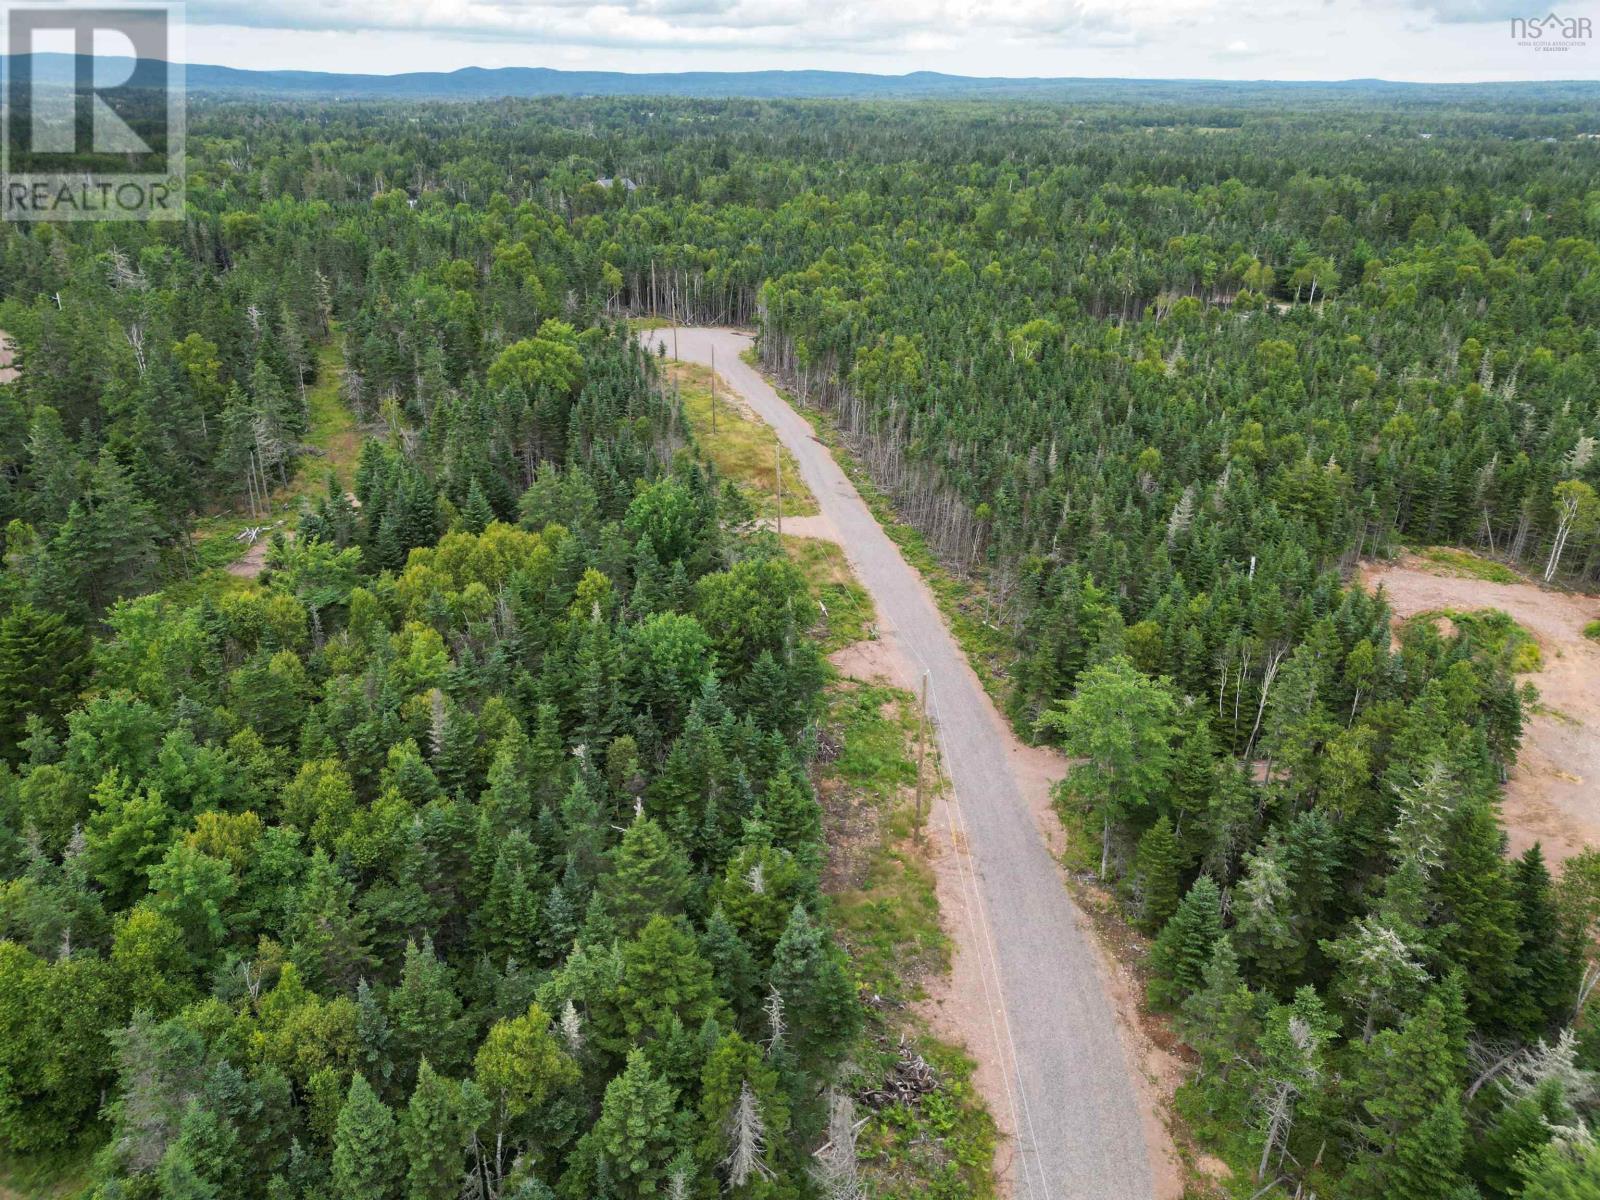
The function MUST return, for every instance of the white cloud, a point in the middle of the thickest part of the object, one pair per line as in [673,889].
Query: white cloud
[1477,11]
[1293,39]
[682,23]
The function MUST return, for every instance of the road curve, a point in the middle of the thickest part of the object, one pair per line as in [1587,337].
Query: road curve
[1074,1107]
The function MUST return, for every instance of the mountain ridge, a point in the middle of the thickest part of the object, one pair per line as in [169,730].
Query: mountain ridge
[481,83]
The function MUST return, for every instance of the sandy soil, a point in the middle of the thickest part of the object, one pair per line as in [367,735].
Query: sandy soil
[7,356]
[253,561]
[815,526]
[1553,796]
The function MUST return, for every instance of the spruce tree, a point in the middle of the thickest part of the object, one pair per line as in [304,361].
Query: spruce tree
[43,663]
[1480,912]
[329,940]
[630,1150]
[1222,1022]
[1548,964]
[366,1156]
[1408,1083]
[425,1013]
[732,964]
[649,876]
[1180,953]
[1497,1158]
[811,975]
[507,924]
[435,1133]
[742,1104]
[1568,1169]
[1158,870]
[477,515]
[665,978]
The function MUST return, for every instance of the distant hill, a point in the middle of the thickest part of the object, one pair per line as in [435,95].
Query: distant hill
[477,83]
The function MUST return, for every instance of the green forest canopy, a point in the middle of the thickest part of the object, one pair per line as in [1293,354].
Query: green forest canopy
[482,821]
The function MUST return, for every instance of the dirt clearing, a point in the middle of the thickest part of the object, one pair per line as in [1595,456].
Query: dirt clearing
[8,355]
[1553,796]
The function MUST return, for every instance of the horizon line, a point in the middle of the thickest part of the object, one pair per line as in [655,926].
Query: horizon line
[768,71]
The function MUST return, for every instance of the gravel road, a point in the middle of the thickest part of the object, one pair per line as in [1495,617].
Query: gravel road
[1074,1107]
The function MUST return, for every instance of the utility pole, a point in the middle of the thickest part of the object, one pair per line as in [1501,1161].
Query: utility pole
[777,459]
[922,750]
[713,389]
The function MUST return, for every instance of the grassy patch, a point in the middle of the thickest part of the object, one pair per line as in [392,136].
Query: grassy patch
[216,538]
[741,446]
[938,1148]
[334,432]
[49,1176]
[1463,564]
[1592,631]
[885,909]
[1493,633]
[333,444]
[848,613]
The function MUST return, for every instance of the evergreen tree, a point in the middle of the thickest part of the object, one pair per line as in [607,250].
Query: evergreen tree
[477,514]
[1568,1169]
[732,964]
[1158,870]
[745,1118]
[1496,1159]
[1179,956]
[366,1158]
[629,1151]
[1222,1022]
[425,1012]
[1294,1043]
[819,999]
[1481,910]
[329,940]
[648,877]
[435,1132]
[1548,967]
[1408,1081]
[665,979]
[43,664]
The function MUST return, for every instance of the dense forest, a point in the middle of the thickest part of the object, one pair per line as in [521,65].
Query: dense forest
[470,847]
[474,842]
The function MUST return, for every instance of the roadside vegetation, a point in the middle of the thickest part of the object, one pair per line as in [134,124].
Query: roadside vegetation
[927,1133]
[738,444]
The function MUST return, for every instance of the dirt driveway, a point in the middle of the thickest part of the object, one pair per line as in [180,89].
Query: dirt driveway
[1553,796]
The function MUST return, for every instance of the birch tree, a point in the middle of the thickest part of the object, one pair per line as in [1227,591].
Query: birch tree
[1122,723]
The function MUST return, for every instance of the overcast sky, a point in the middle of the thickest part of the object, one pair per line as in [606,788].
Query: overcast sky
[1441,40]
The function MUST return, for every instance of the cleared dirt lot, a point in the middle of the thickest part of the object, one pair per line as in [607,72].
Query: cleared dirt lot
[1553,796]
[7,354]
